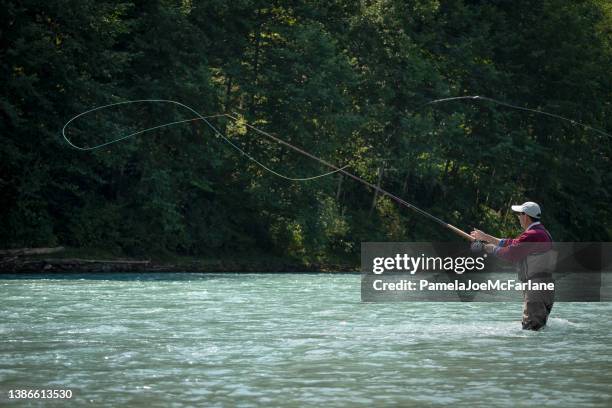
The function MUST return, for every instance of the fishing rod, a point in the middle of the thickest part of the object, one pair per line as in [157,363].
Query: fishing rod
[337,169]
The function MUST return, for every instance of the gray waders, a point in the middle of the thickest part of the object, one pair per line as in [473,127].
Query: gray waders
[537,304]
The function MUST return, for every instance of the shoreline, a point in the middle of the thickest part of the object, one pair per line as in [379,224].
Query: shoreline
[37,264]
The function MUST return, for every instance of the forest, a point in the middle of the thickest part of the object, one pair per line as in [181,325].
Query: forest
[348,81]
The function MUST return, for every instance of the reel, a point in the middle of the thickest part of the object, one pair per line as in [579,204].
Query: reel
[477,246]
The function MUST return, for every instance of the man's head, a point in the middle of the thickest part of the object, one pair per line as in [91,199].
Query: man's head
[528,212]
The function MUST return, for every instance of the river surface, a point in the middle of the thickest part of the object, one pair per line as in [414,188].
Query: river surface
[174,340]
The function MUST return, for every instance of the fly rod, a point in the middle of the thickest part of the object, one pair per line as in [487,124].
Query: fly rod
[342,170]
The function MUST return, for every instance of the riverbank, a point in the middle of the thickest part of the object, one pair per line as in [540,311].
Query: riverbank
[46,260]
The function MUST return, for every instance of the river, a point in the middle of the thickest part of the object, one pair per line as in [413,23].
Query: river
[183,339]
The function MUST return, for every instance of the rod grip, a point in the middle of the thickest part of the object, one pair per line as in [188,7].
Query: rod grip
[459,232]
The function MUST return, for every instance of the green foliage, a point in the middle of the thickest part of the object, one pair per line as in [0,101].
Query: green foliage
[344,80]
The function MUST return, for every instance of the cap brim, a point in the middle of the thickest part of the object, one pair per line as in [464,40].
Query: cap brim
[517,208]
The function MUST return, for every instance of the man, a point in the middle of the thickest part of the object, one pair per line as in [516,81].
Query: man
[531,251]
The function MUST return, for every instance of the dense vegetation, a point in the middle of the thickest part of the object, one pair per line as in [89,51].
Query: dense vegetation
[345,80]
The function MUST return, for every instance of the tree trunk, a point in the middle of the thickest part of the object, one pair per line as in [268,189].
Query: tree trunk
[31,251]
[228,92]
[256,63]
[380,175]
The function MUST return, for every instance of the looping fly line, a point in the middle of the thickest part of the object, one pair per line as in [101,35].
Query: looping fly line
[217,133]
[198,117]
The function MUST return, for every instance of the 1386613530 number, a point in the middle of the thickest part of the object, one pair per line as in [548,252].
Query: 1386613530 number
[39,394]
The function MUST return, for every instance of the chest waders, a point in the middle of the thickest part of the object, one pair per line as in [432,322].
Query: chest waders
[537,304]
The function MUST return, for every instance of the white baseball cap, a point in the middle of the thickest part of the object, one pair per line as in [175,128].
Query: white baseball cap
[530,208]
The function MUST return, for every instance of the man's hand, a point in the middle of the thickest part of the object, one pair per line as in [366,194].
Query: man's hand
[478,235]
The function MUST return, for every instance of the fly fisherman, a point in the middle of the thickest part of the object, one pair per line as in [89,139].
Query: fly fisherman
[532,253]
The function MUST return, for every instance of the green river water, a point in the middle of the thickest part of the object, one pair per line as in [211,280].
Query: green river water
[174,340]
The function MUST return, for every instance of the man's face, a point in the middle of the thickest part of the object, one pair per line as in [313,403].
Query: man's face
[523,219]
